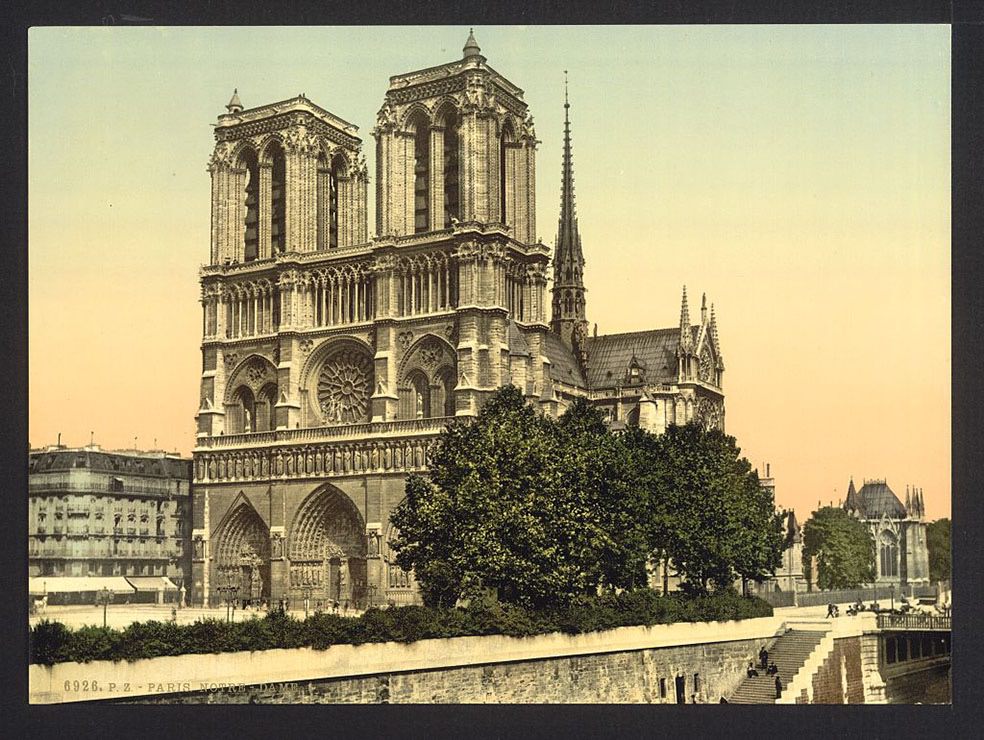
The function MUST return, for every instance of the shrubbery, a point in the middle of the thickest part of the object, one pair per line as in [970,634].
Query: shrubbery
[53,642]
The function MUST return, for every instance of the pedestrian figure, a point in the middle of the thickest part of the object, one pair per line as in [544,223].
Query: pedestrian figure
[773,669]
[778,687]
[764,657]
[174,615]
[831,611]
[751,672]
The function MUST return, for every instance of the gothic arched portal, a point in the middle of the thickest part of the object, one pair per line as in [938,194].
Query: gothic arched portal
[242,556]
[327,549]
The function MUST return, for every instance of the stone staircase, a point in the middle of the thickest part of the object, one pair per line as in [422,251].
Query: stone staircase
[789,652]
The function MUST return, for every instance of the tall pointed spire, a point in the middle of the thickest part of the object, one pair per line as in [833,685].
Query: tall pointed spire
[568,310]
[851,502]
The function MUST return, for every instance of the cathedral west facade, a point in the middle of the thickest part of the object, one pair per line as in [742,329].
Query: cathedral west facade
[331,361]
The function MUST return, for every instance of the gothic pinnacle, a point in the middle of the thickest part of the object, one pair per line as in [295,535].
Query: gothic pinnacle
[684,321]
[714,331]
[472,48]
[234,105]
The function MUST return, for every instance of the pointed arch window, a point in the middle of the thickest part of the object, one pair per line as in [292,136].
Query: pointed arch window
[327,194]
[251,241]
[265,402]
[888,555]
[244,416]
[278,201]
[450,159]
[505,142]
[421,173]
[420,395]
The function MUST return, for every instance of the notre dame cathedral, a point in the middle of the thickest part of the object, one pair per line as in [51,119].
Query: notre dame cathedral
[332,360]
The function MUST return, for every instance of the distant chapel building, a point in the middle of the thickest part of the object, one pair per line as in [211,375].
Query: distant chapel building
[901,555]
[331,361]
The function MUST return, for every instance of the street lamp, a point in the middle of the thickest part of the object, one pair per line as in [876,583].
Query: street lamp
[307,591]
[103,598]
[228,592]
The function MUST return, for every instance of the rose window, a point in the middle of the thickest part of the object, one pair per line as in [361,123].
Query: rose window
[343,388]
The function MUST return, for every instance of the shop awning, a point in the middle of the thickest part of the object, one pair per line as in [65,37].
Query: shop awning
[151,583]
[40,585]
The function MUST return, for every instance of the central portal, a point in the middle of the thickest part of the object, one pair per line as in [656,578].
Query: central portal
[327,551]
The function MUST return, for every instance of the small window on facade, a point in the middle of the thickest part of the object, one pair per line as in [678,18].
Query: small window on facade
[696,682]
[662,688]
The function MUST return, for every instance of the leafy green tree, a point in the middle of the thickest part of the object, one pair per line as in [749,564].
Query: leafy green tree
[715,522]
[546,511]
[499,510]
[938,544]
[844,547]
[606,479]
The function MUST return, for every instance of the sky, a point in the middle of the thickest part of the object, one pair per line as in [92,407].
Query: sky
[797,175]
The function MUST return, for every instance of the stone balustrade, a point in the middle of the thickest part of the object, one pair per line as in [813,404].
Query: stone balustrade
[353,449]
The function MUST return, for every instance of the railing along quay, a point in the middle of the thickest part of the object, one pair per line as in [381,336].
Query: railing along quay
[914,622]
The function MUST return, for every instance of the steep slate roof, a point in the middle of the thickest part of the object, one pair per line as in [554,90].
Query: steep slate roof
[110,463]
[564,366]
[655,349]
[877,499]
[517,342]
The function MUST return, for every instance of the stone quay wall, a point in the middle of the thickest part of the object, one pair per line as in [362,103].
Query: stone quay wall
[628,664]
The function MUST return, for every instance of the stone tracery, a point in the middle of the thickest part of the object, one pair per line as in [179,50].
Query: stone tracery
[344,385]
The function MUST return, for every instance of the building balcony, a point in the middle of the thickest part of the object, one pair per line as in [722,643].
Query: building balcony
[93,486]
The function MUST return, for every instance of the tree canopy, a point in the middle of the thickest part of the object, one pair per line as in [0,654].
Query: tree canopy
[718,521]
[938,545]
[545,510]
[844,547]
